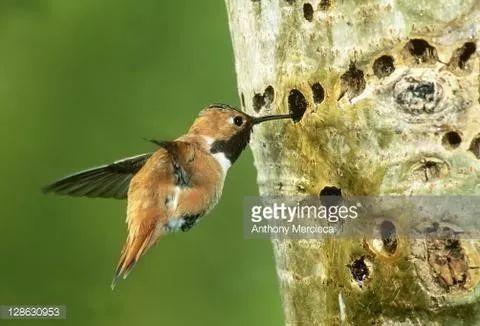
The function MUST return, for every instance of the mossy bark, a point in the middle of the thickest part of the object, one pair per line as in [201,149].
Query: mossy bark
[390,90]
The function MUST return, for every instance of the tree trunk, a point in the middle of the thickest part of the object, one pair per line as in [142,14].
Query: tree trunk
[389,92]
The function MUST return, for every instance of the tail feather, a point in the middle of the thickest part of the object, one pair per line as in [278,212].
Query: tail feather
[134,248]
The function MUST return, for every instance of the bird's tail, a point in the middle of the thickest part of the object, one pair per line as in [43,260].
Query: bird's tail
[134,248]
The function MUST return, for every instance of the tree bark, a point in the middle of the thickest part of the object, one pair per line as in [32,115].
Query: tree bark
[389,92]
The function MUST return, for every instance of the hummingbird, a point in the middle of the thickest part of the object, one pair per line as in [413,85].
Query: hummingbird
[171,188]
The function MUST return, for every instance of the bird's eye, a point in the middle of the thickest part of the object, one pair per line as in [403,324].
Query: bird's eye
[238,120]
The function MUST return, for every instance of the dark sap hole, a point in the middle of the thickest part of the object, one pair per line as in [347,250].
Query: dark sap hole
[383,66]
[451,140]
[475,146]
[290,2]
[269,95]
[242,97]
[297,104]
[331,191]
[308,11]
[352,82]
[418,47]
[318,93]
[359,270]
[266,99]
[258,102]
[331,196]
[467,50]
[388,233]
[421,50]
[325,4]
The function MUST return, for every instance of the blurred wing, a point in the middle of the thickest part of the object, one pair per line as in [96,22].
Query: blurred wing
[107,181]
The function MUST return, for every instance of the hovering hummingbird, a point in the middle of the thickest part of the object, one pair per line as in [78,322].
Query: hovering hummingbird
[170,189]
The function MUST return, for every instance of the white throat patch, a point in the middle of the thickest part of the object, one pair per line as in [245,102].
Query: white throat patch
[223,161]
[220,157]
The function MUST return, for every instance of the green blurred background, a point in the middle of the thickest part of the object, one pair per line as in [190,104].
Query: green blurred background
[81,82]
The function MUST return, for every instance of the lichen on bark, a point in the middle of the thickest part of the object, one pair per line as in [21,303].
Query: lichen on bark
[390,90]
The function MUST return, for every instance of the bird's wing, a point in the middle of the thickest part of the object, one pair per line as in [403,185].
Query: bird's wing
[106,181]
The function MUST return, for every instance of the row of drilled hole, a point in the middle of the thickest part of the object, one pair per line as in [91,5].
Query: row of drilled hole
[308,8]
[297,103]
[353,80]
[422,51]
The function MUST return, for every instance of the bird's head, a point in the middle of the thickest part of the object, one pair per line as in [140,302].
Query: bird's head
[227,129]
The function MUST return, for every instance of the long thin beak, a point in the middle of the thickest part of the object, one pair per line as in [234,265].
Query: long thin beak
[257,120]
